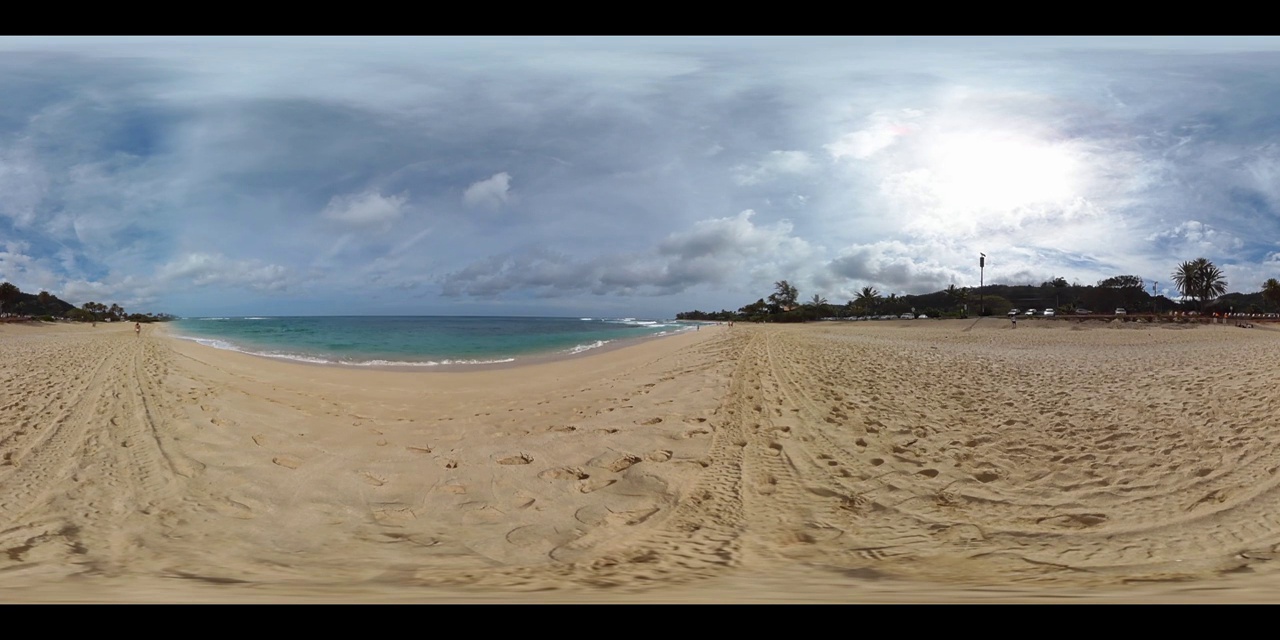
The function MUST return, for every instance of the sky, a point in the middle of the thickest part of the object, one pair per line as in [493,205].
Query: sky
[624,176]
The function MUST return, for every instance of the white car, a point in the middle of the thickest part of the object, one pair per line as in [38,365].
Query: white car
[1014,312]
[906,316]
[1030,312]
[1120,311]
[1049,313]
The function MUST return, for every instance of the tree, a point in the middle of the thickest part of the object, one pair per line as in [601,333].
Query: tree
[818,301]
[1271,291]
[957,296]
[785,297]
[8,294]
[868,298]
[1119,282]
[754,310]
[1200,280]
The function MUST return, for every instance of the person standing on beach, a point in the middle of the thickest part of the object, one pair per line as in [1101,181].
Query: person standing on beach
[137,329]
[1014,320]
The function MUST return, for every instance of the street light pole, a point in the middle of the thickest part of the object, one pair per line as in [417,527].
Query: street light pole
[982,302]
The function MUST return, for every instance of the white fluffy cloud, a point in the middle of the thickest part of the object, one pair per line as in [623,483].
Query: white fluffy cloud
[369,209]
[24,271]
[205,269]
[881,130]
[491,192]
[1194,235]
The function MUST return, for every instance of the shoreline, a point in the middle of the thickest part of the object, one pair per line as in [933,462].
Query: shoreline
[451,367]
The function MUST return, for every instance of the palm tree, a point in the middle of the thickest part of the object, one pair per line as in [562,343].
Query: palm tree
[868,298]
[957,296]
[1200,279]
[818,301]
[1271,290]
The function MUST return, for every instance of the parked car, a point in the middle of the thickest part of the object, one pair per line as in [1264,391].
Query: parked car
[1049,313]
[1083,312]
[906,316]
[1030,312]
[1120,311]
[1014,312]
[922,317]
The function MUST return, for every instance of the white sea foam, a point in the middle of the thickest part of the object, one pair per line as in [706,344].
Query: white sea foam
[585,319]
[226,346]
[584,347]
[637,323]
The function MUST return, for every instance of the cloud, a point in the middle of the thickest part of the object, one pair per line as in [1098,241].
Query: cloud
[241,167]
[713,252]
[774,164]
[882,129]
[368,209]
[205,269]
[1193,236]
[24,271]
[23,184]
[892,266]
[492,192]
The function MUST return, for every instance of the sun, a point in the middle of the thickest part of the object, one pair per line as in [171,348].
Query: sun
[986,172]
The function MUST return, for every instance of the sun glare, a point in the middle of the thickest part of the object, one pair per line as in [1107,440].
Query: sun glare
[977,172]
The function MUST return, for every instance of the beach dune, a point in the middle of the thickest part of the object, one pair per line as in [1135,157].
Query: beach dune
[842,462]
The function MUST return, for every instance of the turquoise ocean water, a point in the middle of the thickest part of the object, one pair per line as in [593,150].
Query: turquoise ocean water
[415,341]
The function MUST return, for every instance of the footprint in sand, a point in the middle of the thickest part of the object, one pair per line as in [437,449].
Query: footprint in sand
[564,473]
[658,455]
[614,462]
[288,462]
[522,458]
[597,515]
[650,421]
[539,535]
[594,484]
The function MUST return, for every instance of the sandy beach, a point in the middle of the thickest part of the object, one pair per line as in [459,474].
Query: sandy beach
[903,461]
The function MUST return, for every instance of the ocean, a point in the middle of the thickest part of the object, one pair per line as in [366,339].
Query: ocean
[415,341]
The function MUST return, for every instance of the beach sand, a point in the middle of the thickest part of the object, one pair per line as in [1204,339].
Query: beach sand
[903,461]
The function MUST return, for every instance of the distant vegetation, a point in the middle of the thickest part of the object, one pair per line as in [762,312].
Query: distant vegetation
[1200,282]
[46,306]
